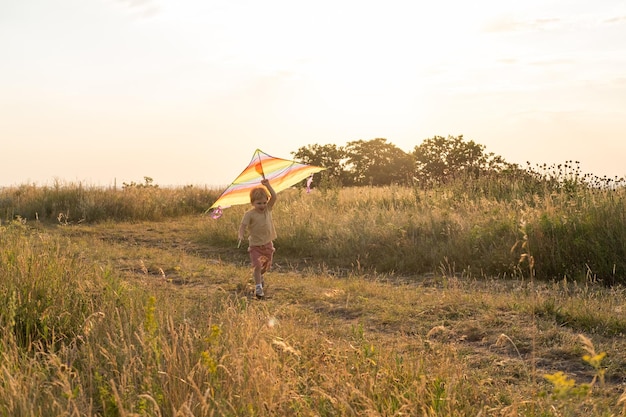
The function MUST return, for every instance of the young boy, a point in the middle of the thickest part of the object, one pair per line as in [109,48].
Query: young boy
[258,222]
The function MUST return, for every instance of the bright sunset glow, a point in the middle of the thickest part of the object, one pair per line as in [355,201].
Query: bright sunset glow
[184,91]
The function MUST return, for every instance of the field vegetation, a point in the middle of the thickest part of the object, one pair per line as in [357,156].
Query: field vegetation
[496,295]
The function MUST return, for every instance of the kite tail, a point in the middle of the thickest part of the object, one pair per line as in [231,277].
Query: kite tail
[215,213]
[308,184]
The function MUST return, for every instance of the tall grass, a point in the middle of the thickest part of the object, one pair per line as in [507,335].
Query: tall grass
[47,294]
[81,341]
[469,229]
[80,338]
[469,226]
[77,202]
[84,334]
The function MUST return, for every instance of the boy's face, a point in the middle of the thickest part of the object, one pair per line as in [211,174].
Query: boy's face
[260,204]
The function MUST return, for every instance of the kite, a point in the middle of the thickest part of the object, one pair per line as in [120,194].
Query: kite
[282,174]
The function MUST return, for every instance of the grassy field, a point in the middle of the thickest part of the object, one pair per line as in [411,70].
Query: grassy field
[382,302]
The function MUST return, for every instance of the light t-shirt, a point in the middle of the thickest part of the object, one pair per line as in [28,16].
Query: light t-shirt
[260,227]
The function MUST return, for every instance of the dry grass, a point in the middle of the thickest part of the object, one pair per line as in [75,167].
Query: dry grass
[167,326]
[576,226]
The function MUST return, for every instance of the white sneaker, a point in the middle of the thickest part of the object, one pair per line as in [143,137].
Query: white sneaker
[259,291]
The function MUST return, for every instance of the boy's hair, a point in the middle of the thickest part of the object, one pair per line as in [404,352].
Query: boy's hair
[258,193]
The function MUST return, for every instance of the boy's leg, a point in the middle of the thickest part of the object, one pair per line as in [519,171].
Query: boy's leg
[258,281]
[267,261]
[261,258]
[254,259]
[258,277]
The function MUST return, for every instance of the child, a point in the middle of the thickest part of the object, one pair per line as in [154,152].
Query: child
[258,222]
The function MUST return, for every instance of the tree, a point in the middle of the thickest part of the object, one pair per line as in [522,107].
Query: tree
[331,157]
[376,162]
[441,159]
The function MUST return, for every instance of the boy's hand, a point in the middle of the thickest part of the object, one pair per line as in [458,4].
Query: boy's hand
[265,182]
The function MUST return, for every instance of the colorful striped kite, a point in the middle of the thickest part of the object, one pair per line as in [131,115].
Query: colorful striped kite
[281,173]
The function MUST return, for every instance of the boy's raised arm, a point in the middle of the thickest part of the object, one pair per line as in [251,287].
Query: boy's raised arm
[267,185]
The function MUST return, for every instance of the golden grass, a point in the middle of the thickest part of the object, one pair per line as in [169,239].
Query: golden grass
[381,303]
[170,329]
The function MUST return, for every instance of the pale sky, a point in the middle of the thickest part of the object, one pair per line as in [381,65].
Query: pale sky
[183,91]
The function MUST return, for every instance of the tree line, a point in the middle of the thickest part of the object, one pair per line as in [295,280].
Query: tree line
[436,161]
[377,162]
